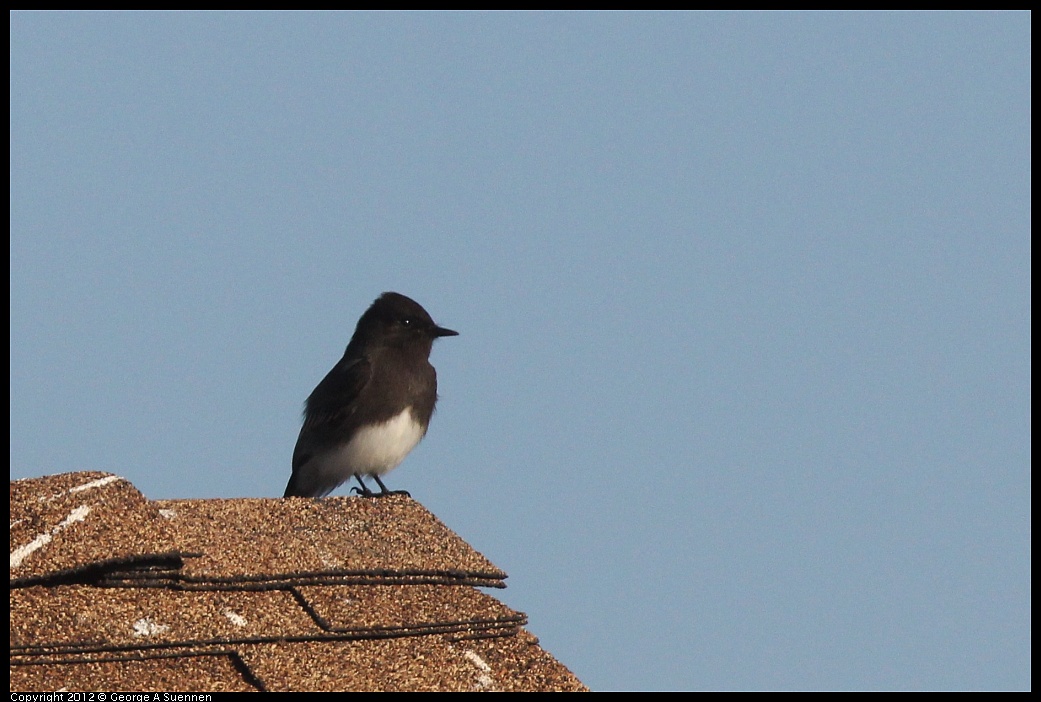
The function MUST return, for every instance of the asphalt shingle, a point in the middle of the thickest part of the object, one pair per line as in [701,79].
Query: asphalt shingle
[111,591]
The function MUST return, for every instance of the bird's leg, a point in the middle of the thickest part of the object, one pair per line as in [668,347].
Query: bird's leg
[388,492]
[364,490]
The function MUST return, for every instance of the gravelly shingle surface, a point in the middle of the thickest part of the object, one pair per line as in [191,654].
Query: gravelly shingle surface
[114,592]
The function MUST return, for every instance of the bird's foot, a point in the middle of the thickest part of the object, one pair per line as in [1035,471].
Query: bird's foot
[364,490]
[388,493]
[384,491]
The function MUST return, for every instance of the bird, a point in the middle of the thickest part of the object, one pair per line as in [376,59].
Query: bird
[374,406]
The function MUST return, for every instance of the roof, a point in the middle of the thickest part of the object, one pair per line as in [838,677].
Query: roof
[113,592]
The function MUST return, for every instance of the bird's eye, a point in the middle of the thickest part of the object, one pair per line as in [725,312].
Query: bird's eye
[407,321]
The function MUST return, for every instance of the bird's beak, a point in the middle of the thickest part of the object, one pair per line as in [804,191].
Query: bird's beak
[441,331]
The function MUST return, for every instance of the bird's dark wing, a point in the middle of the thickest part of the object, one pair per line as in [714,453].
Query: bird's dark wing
[331,406]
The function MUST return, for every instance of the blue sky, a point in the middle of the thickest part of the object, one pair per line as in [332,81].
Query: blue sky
[741,396]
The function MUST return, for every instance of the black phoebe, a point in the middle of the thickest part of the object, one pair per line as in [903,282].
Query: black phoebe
[374,406]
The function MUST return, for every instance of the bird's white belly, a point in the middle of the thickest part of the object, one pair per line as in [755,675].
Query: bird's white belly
[379,448]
